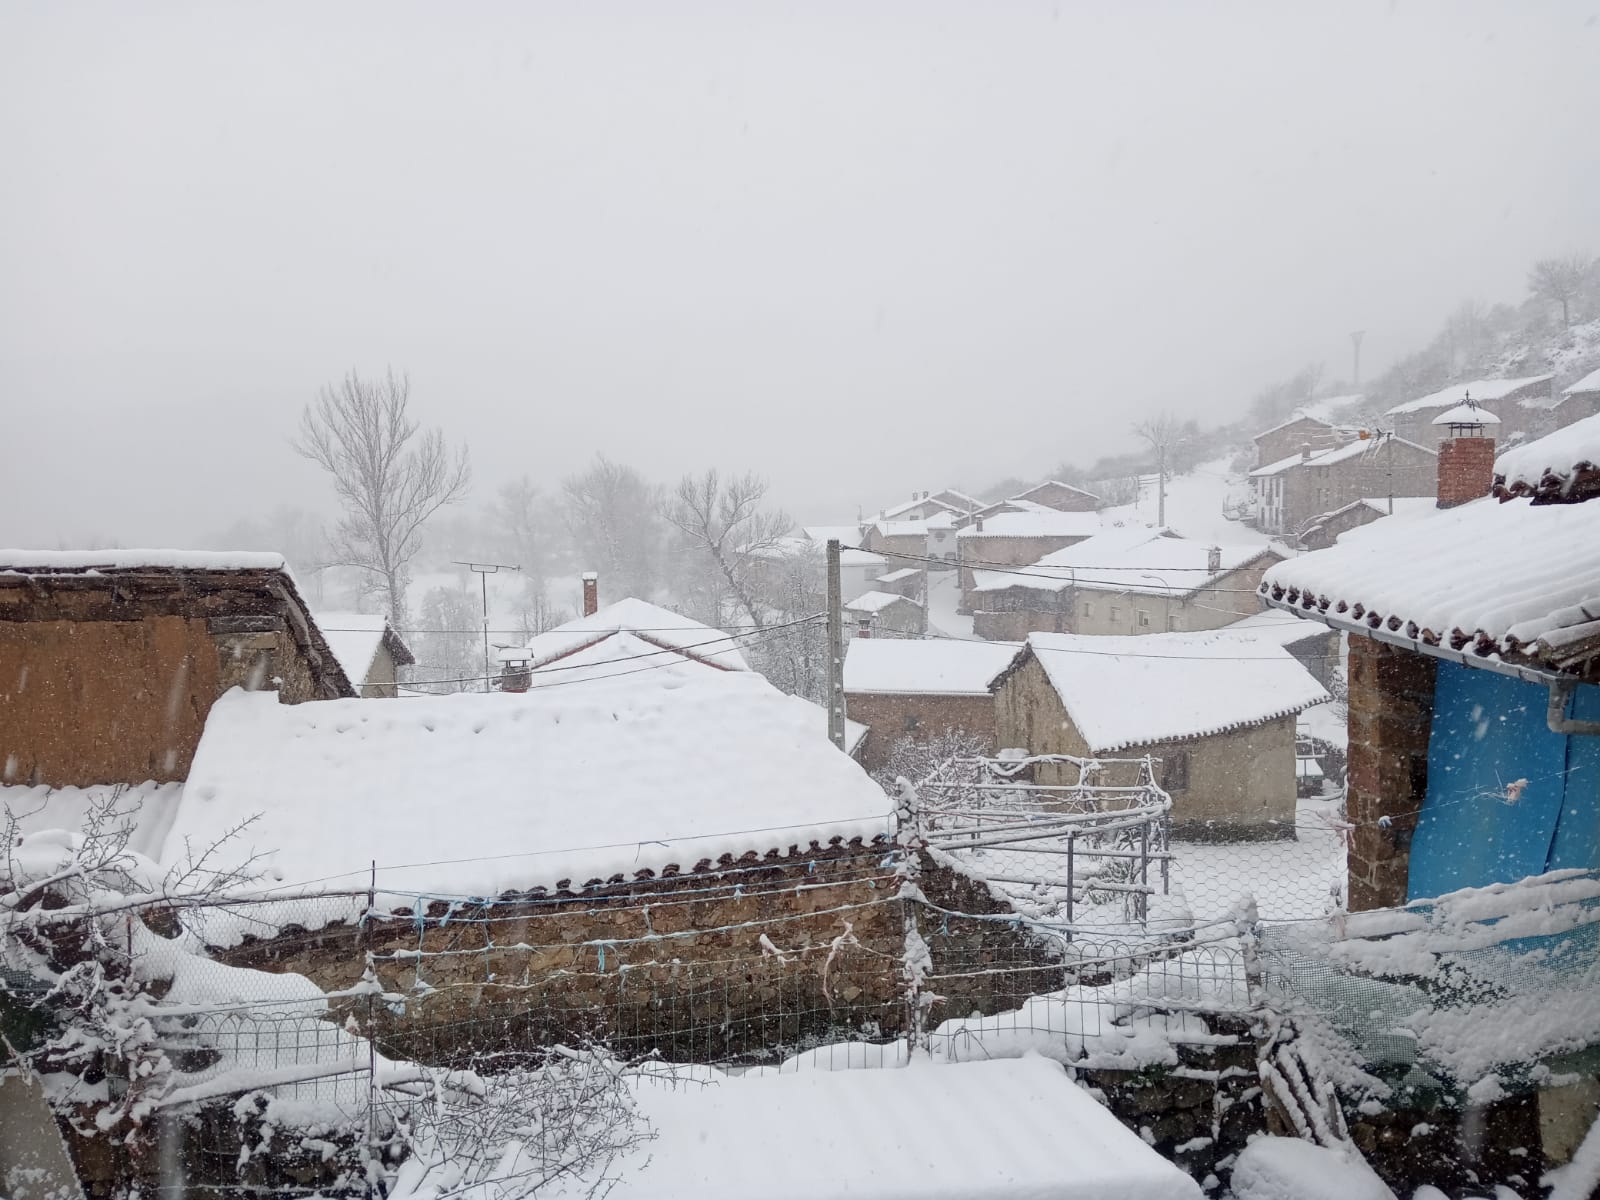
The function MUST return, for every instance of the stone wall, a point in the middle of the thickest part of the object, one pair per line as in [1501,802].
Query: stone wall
[1391,715]
[893,718]
[747,961]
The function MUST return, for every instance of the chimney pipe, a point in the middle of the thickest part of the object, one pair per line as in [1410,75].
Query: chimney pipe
[591,593]
[1213,559]
[1466,470]
[1305,452]
[864,625]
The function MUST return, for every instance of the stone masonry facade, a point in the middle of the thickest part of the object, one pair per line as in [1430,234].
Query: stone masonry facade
[1391,713]
[892,718]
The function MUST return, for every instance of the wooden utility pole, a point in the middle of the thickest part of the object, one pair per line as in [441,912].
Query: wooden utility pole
[835,649]
[1161,485]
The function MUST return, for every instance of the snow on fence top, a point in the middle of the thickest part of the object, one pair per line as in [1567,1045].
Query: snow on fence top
[1162,687]
[1555,465]
[885,1134]
[658,627]
[478,794]
[355,639]
[908,666]
[1040,523]
[1148,562]
[1478,389]
[1487,577]
[50,561]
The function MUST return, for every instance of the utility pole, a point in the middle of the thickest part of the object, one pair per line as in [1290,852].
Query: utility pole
[1355,366]
[1161,486]
[483,571]
[835,649]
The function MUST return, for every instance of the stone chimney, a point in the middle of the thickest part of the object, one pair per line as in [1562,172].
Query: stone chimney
[977,525]
[1305,452]
[1466,455]
[864,625]
[1213,560]
[591,593]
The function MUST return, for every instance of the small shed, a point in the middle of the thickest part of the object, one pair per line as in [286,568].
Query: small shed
[885,614]
[1217,711]
[919,689]
[368,649]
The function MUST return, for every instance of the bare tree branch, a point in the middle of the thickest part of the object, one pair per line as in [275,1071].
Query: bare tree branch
[727,524]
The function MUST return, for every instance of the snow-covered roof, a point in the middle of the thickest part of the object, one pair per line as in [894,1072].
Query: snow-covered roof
[1298,416]
[959,500]
[1054,483]
[1334,454]
[492,792]
[1277,627]
[918,667]
[1035,522]
[940,520]
[1162,687]
[46,561]
[1554,464]
[885,1134]
[1486,577]
[1468,412]
[901,528]
[355,639]
[902,574]
[1478,389]
[633,620]
[896,510]
[1589,383]
[845,535]
[854,556]
[878,601]
[1142,561]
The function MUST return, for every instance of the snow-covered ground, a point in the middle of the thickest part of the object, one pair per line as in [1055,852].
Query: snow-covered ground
[944,597]
[1290,879]
[1194,505]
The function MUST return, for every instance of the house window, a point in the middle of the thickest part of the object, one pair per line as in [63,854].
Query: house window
[1115,612]
[1175,771]
[1088,610]
[1144,619]
[1172,621]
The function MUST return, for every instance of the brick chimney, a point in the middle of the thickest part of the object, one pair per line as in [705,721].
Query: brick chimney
[591,593]
[1466,455]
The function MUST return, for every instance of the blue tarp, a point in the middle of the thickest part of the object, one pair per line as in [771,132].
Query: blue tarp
[1480,823]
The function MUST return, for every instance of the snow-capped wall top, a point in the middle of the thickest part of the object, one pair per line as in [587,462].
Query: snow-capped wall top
[486,793]
[929,667]
[1488,577]
[46,561]
[1478,389]
[1551,465]
[660,627]
[1162,687]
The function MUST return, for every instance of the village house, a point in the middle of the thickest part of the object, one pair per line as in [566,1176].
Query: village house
[368,650]
[917,690]
[1474,659]
[920,507]
[1017,538]
[859,568]
[110,660]
[885,614]
[1522,405]
[1295,490]
[1124,581]
[1313,645]
[1062,497]
[1218,712]
[907,581]
[1295,434]
[1580,400]
[1327,529]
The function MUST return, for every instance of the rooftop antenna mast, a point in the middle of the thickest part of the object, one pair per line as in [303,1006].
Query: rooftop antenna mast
[483,571]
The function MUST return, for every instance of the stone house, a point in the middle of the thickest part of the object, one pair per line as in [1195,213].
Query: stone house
[368,649]
[1327,529]
[921,506]
[1293,491]
[1062,497]
[917,690]
[1220,720]
[1522,405]
[1580,400]
[885,614]
[1474,660]
[907,581]
[1126,581]
[110,660]
[1017,538]
[1295,434]
[901,542]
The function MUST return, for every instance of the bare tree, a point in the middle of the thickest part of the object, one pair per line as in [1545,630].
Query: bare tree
[1162,434]
[612,514]
[1560,280]
[389,480]
[725,523]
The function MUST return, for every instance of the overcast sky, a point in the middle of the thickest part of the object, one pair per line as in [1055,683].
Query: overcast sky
[859,247]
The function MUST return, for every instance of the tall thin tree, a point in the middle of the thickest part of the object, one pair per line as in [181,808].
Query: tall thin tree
[389,475]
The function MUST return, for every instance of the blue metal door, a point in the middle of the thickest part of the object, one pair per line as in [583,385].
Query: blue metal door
[1507,798]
